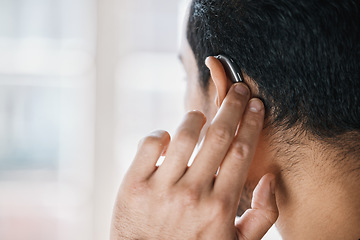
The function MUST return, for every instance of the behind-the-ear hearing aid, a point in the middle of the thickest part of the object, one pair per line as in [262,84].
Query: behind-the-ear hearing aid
[232,70]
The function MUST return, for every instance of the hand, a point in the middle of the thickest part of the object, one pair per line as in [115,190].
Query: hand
[174,201]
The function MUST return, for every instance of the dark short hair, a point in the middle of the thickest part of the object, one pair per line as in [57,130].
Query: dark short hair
[304,55]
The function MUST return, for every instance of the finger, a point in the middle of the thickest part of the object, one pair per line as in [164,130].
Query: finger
[181,148]
[149,151]
[255,222]
[219,135]
[233,170]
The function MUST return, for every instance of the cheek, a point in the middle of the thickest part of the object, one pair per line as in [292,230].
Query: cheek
[193,98]
[187,99]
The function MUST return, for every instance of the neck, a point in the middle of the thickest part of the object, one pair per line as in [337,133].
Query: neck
[318,203]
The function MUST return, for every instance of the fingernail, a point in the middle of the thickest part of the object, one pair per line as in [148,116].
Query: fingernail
[241,89]
[255,105]
[157,133]
[199,113]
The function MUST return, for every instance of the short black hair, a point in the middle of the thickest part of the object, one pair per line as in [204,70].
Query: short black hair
[304,55]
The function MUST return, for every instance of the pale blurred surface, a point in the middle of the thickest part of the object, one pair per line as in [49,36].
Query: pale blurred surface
[47,68]
[81,81]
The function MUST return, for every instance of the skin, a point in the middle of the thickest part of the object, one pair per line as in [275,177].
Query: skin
[312,199]
[174,201]
[209,102]
[312,192]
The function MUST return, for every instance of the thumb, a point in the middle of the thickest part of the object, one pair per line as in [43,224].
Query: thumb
[255,222]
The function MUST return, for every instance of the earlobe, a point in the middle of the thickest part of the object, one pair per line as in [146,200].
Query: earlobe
[219,78]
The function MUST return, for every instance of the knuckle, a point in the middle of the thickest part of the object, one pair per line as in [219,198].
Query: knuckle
[269,216]
[194,114]
[236,102]
[241,150]
[191,196]
[221,134]
[273,215]
[253,123]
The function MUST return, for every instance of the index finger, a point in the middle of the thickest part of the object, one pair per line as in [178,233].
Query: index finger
[234,169]
[219,136]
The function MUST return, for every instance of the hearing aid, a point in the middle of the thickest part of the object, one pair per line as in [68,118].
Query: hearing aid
[231,69]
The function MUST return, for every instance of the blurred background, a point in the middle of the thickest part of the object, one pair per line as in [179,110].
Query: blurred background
[81,81]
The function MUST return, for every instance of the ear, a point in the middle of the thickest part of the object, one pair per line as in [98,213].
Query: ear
[218,76]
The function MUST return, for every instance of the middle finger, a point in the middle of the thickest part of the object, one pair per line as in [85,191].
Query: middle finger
[219,135]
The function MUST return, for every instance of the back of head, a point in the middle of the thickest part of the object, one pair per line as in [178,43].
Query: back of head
[303,55]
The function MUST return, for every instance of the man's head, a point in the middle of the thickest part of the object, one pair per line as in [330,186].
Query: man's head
[302,58]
